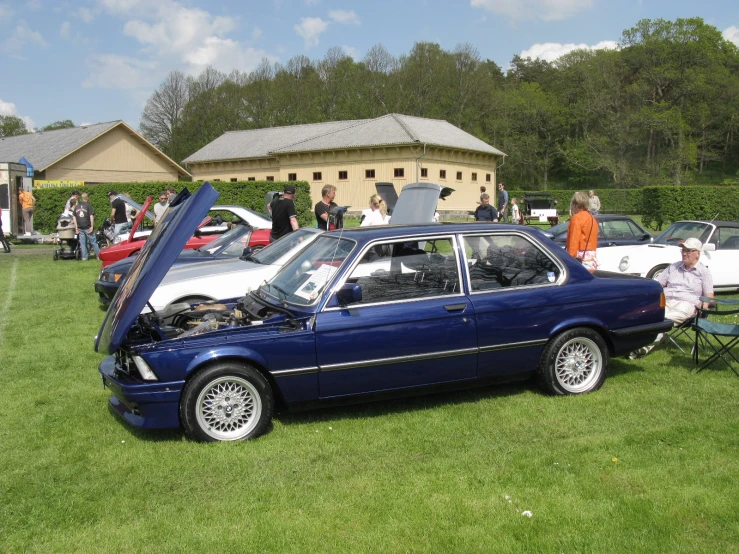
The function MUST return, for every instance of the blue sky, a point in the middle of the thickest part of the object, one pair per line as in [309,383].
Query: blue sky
[99,60]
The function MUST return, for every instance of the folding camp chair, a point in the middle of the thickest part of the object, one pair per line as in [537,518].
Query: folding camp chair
[720,337]
[679,331]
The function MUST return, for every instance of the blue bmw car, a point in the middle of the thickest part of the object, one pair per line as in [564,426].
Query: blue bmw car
[365,312]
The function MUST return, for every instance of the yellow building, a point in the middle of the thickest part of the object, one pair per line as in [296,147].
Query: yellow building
[102,153]
[353,156]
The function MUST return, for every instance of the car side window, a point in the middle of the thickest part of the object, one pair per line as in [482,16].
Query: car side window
[407,270]
[618,229]
[728,238]
[501,261]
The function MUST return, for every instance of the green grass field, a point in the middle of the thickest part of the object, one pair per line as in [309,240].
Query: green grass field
[650,463]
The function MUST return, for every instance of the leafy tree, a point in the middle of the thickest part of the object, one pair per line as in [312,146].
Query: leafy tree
[65,124]
[163,113]
[11,126]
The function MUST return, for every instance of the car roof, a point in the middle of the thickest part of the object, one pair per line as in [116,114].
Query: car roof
[611,217]
[389,231]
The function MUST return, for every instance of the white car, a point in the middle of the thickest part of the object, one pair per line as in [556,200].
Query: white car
[220,215]
[720,252]
[201,282]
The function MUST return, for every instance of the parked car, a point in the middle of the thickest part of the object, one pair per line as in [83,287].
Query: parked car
[613,230]
[228,246]
[720,252]
[135,241]
[367,311]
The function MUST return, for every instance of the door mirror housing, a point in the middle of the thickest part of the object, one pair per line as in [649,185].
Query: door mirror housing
[349,293]
[709,247]
[246,254]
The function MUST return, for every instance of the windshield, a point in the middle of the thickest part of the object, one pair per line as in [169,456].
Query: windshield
[270,254]
[678,232]
[559,229]
[228,243]
[303,279]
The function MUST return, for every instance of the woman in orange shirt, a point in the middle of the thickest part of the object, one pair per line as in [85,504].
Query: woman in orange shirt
[582,234]
[28,201]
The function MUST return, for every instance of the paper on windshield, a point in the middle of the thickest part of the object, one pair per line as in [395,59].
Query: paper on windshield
[318,279]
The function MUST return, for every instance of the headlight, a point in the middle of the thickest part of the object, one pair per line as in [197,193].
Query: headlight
[111,277]
[623,264]
[144,369]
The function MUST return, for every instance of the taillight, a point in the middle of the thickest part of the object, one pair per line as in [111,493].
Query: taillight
[662,302]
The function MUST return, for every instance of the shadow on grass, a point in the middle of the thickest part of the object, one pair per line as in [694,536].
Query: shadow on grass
[369,408]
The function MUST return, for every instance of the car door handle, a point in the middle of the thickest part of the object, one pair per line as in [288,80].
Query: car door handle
[611,244]
[455,307]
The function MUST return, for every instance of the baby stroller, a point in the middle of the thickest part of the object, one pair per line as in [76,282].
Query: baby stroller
[66,235]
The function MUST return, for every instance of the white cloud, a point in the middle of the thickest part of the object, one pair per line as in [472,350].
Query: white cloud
[20,37]
[86,14]
[351,51]
[344,16]
[6,11]
[732,34]
[9,108]
[64,31]
[548,10]
[180,36]
[34,5]
[550,51]
[85,124]
[113,71]
[310,28]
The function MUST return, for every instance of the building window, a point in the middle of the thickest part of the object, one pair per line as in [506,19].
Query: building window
[292,176]
[234,179]
[399,172]
[459,175]
[424,172]
[474,176]
[442,174]
[487,178]
[317,176]
[270,178]
[369,173]
[216,180]
[251,179]
[343,175]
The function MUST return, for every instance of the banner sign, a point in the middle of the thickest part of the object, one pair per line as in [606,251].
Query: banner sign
[40,184]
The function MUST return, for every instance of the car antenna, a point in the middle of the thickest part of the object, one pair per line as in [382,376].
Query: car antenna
[714,217]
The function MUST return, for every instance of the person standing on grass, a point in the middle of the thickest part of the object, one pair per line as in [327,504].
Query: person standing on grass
[284,215]
[515,211]
[324,206]
[582,234]
[117,213]
[160,207]
[84,224]
[28,202]
[502,202]
[485,212]
[594,202]
[76,197]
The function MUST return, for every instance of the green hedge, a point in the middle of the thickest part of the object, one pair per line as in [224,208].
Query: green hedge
[668,204]
[249,194]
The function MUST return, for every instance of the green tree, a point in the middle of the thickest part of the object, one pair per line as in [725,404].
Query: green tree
[65,124]
[11,126]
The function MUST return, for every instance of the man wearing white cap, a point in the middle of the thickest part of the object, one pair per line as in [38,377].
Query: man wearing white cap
[684,283]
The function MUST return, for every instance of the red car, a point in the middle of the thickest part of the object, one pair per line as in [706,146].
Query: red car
[258,239]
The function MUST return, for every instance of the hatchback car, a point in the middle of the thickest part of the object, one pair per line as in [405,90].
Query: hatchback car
[613,230]
[366,311]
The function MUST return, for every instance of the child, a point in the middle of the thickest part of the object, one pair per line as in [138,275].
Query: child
[515,211]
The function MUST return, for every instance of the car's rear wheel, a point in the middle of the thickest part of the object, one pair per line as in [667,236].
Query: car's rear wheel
[656,271]
[257,248]
[574,362]
[226,402]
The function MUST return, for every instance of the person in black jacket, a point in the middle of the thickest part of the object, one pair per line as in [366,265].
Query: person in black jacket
[485,212]
[284,215]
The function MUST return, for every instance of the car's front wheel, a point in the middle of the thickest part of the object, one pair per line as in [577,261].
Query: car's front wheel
[574,362]
[656,271]
[226,402]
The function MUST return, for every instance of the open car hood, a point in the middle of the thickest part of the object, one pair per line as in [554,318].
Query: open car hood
[417,203]
[151,265]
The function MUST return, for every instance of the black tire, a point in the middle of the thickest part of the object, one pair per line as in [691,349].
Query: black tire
[56,255]
[574,362]
[655,271]
[78,253]
[226,402]
[6,242]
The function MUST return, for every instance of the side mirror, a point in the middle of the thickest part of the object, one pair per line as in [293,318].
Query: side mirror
[709,247]
[246,254]
[349,293]
[647,236]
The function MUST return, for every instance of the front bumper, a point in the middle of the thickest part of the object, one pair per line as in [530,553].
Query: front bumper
[143,404]
[106,291]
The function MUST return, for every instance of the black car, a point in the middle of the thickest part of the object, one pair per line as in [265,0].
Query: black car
[231,244]
[613,230]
